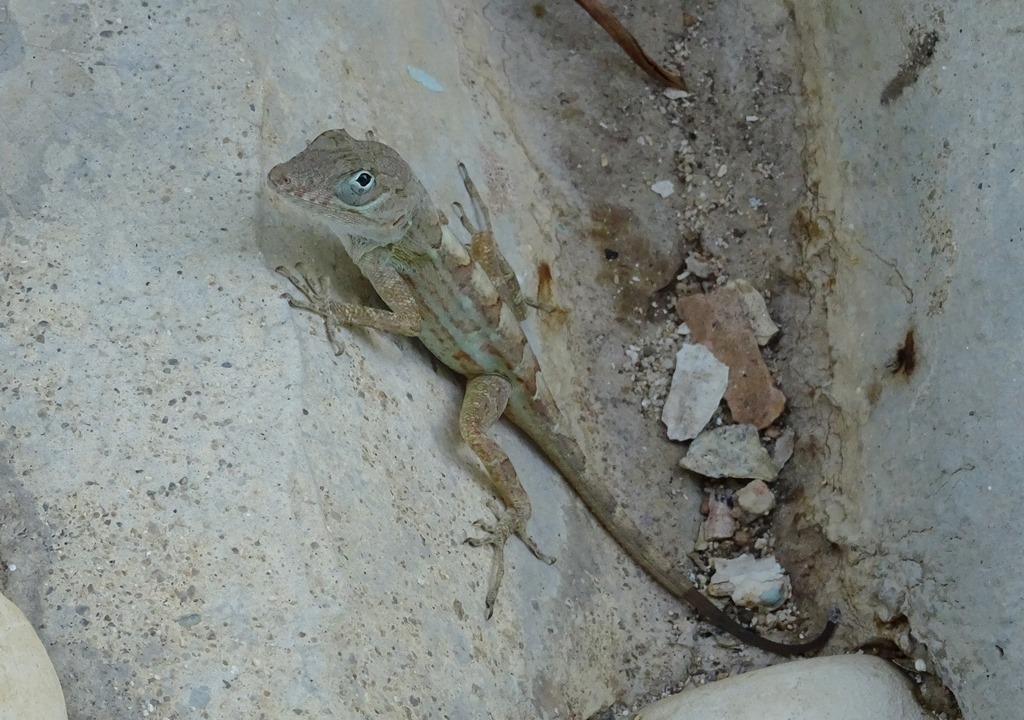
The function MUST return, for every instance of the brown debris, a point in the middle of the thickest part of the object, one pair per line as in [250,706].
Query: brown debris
[719,321]
[627,42]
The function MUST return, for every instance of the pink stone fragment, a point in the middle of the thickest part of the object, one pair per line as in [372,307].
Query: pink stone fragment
[719,321]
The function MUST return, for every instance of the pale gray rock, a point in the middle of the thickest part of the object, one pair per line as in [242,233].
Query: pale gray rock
[699,267]
[733,451]
[783,449]
[750,582]
[698,384]
[841,687]
[757,310]
[755,498]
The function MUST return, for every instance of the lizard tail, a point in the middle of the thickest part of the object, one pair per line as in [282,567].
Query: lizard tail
[602,504]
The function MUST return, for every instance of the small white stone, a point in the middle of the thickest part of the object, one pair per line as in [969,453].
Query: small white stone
[698,384]
[755,498]
[698,266]
[733,451]
[750,582]
[674,94]
[664,188]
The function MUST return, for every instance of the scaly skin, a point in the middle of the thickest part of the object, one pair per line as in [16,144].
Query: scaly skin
[465,307]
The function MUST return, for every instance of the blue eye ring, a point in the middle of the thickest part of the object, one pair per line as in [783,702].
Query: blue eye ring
[354,189]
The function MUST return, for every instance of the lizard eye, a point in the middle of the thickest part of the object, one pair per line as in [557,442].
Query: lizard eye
[354,189]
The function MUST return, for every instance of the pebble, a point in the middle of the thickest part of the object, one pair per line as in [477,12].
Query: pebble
[750,582]
[757,311]
[719,321]
[698,384]
[755,498]
[664,188]
[733,451]
[783,449]
[720,525]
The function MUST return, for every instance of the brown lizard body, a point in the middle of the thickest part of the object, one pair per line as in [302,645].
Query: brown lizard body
[465,306]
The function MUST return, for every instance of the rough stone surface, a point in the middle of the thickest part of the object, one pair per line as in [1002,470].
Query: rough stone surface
[698,383]
[733,451]
[29,687]
[719,320]
[720,523]
[210,513]
[750,582]
[755,498]
[843,687]
[914,96]
[783,449]
[757,311]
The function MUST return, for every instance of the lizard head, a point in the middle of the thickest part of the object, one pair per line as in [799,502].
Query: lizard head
[364,187]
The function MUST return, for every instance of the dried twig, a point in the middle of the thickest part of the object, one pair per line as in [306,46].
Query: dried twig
[627,42]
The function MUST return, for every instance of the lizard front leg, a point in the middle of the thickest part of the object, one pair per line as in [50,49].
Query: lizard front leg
[485,401]
[402,319]
[485,251]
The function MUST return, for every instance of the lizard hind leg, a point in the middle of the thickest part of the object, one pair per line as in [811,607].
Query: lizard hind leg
[485,401]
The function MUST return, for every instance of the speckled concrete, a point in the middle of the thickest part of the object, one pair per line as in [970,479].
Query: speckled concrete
[210,515]
[917,154]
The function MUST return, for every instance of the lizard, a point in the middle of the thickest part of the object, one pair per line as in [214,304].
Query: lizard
[465,305]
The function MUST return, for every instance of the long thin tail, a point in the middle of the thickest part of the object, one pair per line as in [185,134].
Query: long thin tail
[602,504]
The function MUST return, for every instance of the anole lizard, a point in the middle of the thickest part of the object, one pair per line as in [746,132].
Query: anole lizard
[465,305]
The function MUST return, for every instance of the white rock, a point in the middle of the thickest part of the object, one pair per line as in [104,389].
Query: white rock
[750,582]
[698,384]
[757,311]
[755,498]
[733,451]
[841,687]
[29,687]
[663,188]
[675,94]
[699,267]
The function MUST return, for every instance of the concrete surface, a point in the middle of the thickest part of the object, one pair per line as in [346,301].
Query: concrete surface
[29,686]
[918,159]
[844,687]
[211,514]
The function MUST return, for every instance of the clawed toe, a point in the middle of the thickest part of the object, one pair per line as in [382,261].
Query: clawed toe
[317,291]
[496,534]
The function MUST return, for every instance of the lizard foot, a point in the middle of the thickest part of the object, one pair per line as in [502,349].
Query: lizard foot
[496,534]
[318,293]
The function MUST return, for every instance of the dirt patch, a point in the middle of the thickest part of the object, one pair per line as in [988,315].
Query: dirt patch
[725,164]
